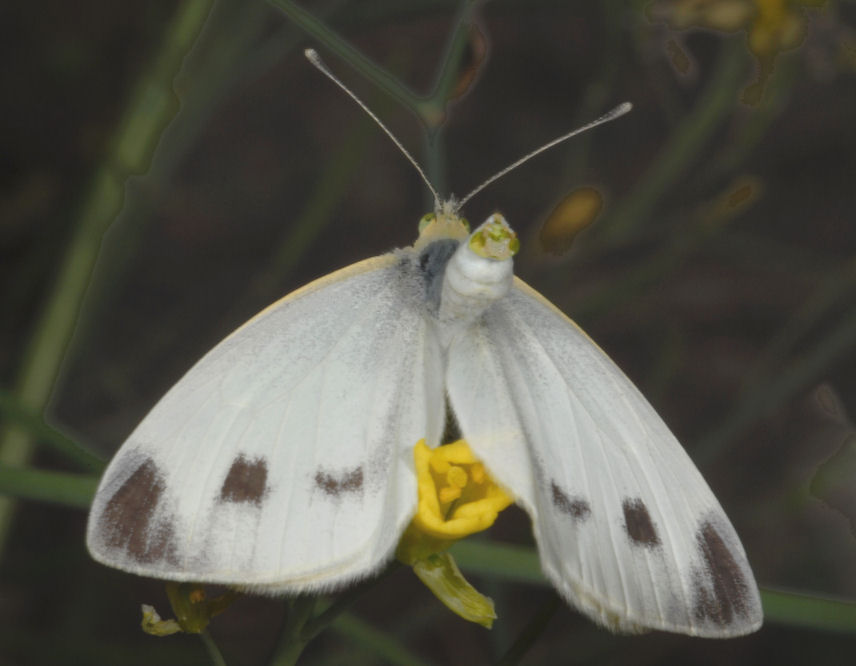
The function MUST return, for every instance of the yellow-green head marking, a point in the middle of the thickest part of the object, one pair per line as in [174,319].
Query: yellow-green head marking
[495,239]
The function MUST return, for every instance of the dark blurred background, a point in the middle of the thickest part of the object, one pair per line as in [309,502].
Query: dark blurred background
[720,272]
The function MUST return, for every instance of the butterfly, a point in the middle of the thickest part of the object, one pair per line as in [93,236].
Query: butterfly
[282,461]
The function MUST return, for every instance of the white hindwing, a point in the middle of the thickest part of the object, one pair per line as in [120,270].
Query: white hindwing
[283,459]
[627,529]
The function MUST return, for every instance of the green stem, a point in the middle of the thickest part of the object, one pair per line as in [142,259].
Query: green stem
[291,642]
[794,609]
[333,41]
[684,145]
[74,490]
[499,560]
[32,422]
[152,105]
[809,611]
[212,649]
[534,628]
[320,622]
[384,648]
[431,109]
[214,67]
[780,388]
[837,288]
[317,213]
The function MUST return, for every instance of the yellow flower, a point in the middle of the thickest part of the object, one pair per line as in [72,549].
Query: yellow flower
[457,497]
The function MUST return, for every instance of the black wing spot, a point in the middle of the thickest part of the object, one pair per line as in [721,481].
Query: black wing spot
[348,482]
[246,481]
[721,591]
[128,517]
[575,507]
[638,524]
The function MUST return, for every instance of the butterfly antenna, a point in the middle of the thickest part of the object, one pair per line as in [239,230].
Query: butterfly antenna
[617,112]
[315,59]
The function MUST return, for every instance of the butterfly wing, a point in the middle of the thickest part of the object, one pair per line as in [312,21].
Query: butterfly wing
[627,528]
[282,461]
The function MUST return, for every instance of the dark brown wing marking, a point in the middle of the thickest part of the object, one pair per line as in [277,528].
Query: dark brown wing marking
[721,591]
[575,507]
[638,524]
[128,520]
[348,482]
[246,481]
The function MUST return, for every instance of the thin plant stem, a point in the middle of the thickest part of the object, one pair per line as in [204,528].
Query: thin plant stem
[433,108]
[338,45]
[429,109]
[320,622]
[533,629]
[685,142]
[31,421]
[836,289]
[384,648]
[73,490]
[317,212]
[798,609]
[780,388]
[212,649]
[152,105]
[215,66]
[291,643]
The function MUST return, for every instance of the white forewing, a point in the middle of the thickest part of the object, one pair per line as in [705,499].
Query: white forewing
[283,459]
[627,529]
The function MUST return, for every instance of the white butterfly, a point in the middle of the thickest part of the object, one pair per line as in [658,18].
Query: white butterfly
[282,461]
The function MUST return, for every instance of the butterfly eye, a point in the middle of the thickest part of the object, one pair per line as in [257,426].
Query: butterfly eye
[427,219]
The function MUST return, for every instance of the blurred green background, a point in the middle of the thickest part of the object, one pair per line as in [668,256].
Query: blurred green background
[168,169]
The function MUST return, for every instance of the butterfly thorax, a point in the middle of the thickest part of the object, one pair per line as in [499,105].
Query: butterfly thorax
[464,276]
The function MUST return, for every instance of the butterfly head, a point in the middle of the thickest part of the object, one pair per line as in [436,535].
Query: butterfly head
[494,239]
[443,223]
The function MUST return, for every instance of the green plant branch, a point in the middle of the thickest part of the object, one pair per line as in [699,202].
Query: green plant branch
[500,560]
[797,609]
[73,490]
[837,288]
[530,633]
[212,649]
[685,141]
[291,642]
[215,66]
[384,647]
[429,109]
[433,108]
[778,389]
[326,617]
[333,41]
[34,424]
[152,105]
[809,611]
